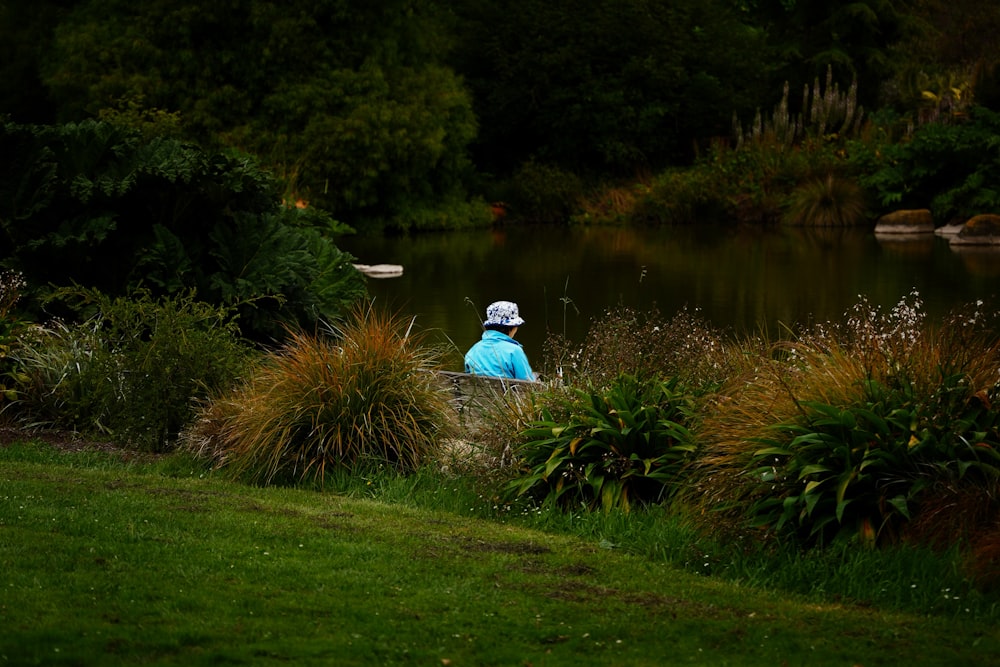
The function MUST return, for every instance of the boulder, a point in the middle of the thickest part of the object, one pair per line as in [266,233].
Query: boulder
[913,221]
[979,230]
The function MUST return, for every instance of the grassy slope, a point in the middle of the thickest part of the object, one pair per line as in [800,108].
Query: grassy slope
[105,564]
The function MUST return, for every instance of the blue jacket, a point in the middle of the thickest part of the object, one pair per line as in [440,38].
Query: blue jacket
[498,355]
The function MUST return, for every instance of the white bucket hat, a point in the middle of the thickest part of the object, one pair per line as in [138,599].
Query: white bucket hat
[503,313]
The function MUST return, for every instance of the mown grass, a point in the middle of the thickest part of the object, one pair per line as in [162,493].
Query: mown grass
[907,577]
[111,561]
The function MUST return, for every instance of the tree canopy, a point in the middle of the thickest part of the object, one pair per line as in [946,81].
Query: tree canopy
[382,110]
[610,85]
[345,99]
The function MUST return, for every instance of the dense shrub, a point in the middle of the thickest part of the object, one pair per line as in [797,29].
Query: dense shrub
[852,431]
[131,370]
[682,196]
[950,168]
[364,394]
[542,193]
[444,213]
[752,183]
[782,161]
[621,446]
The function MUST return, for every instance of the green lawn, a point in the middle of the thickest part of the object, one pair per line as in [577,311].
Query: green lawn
[103,563]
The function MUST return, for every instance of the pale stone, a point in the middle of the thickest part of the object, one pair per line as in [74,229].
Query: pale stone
[949,230]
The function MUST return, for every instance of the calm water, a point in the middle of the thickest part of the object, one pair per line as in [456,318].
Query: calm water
[745,279]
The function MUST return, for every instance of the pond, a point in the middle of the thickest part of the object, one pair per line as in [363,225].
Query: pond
[745,279]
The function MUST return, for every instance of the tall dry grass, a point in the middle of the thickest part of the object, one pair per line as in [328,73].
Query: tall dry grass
[880,419]
[364,394]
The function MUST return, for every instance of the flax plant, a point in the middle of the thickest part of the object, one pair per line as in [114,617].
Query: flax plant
[365,394]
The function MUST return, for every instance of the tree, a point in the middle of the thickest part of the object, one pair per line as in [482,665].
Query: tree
[346,99]
[950,56]
[952,169]
[604,85]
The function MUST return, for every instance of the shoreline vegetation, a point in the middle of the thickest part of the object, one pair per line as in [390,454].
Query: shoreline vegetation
[853,467]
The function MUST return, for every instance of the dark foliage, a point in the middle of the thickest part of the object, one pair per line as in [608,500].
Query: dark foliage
[97,205]
[607,86]
[951,168]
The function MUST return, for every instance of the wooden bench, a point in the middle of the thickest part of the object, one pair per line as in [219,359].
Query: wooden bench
[473,393]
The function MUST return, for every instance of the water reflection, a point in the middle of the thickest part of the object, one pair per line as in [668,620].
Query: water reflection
[747,279]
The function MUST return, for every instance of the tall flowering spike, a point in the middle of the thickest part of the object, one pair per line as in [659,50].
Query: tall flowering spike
[806,109]
[817,104]
[737,130]
[780,119]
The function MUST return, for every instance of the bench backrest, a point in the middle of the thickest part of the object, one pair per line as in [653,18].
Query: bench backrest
[473,391]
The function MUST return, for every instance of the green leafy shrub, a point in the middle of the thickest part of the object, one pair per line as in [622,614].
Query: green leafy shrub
[618,447]
[682,196]
[132,369]
[784,162]
[949,168]
[365,395]
[446,213]
[852,431]
[102,206]
[612,203]
[543,193]
[752,182]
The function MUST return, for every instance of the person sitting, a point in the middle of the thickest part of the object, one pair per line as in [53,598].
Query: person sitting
[497,354]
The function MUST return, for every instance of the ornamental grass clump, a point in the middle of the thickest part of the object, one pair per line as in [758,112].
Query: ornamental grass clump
[129,372]
[615,448]
[862,431]
[827,200]
[366,394]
